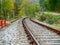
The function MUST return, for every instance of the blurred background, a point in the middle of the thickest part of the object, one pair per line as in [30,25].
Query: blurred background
[47,11]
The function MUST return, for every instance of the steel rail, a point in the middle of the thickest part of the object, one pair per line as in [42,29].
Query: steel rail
[51,29]
[42,38]
[34,42]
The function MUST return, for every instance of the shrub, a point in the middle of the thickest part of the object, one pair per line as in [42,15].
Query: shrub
[42,18]
[51,19]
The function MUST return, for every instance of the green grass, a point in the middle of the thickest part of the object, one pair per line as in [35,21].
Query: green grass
[51,19]
[15,19]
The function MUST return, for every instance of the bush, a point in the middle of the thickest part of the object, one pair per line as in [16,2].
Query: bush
[51,19]
[42,18]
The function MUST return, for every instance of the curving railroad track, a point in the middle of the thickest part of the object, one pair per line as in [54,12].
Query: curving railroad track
[30,36]
[40,34]
[29,32]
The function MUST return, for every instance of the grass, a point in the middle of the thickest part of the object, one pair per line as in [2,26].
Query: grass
[51,19]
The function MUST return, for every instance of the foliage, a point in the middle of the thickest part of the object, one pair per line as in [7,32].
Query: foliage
[51,5]
[42,18]
[5,8]
[29,8]
[13,8]
[51,19]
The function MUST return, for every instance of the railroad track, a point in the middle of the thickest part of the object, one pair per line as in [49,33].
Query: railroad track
[31,37]
[29,32]
[40,34]
[15,35]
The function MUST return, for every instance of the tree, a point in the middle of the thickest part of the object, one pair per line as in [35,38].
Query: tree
[29,8]
[5,8]
[17,8]
[51,5]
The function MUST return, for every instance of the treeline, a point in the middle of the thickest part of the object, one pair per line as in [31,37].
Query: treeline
[11,9]
[51,5]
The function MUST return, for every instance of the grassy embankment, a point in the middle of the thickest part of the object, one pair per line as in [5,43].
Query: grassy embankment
[50,19]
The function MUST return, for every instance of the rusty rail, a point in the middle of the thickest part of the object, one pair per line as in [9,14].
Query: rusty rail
[30,35]
[51,29]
